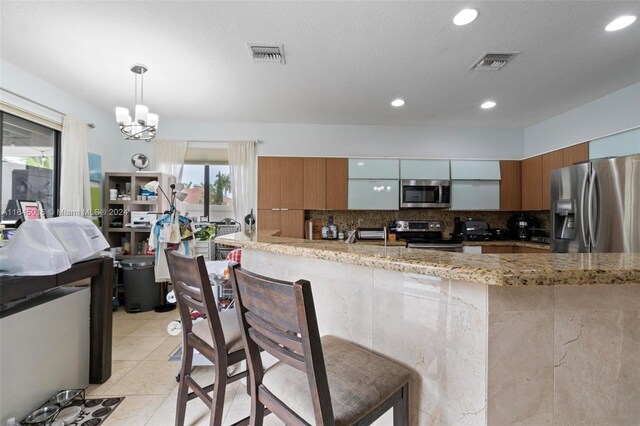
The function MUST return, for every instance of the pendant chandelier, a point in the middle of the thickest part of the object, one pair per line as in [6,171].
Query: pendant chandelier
[144,124]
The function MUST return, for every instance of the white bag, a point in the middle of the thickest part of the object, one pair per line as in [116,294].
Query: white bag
[50,246]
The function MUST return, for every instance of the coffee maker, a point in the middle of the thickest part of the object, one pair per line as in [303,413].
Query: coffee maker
[519,226]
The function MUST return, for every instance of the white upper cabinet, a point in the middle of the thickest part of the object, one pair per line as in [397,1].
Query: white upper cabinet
[373,168]
[475,170]
[374,194]
[475,195]
[424,169]
[625,143]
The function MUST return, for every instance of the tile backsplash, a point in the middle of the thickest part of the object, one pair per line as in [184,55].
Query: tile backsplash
[378,218]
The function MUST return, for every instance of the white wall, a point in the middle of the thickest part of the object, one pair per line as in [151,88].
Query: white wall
[44,349]
[105,139]
[612,113]
[357,141]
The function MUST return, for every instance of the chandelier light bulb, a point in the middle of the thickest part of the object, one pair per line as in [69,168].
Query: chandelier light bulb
[152,120]
[121,115]
[141,114]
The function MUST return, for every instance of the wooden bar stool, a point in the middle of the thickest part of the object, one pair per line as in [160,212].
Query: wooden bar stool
[323,381]
[218,337]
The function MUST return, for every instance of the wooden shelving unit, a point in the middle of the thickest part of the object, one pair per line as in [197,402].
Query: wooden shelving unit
[114,209]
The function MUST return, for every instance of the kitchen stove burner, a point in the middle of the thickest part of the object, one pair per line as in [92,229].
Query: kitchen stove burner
[101,412]
[92,422]
[111,401]
[93,402]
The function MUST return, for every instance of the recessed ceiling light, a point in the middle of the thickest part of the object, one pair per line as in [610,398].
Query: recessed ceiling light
[465,16]
[488,105]
[397,102]
[620,23]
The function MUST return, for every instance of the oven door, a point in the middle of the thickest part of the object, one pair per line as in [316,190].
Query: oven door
[424,194]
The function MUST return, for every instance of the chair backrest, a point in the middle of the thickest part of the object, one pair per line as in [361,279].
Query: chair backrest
[280,317]
[193,291]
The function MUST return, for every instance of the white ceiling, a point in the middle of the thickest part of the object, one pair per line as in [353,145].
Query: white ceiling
[345,60]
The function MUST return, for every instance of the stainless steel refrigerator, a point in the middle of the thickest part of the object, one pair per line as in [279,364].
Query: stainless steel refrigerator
[595,207]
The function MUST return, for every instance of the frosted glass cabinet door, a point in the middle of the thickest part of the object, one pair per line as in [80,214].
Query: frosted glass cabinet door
[475,169]
[372,168]
[424,169]
[475,195]
[369,194]
[625,143]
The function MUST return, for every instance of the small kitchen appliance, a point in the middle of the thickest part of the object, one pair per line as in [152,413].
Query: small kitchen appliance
[470,230]
[424,235]
[539,235]
[520,225]
[370,233]
[425,194]
[499,234]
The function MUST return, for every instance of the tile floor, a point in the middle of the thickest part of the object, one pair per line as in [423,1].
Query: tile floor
[142,373]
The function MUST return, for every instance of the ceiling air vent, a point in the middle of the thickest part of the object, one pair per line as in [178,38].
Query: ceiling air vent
[264,53]
[492,61]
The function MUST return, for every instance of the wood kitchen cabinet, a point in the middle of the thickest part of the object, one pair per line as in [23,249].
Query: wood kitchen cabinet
[337,183]
[530,250]
[532,183]
[497,249]
[280,182]
[510,185]
[315,183]
[536,174]
[290,223]
[280,195]
[268,183]
[325,183]
[575,154]
[550,161]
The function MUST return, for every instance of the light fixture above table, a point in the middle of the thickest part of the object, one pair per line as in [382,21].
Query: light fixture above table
[144,124]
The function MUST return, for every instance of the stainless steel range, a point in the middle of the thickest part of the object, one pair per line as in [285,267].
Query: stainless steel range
[424,235]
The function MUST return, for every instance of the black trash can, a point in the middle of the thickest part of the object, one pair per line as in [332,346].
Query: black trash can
[140,290]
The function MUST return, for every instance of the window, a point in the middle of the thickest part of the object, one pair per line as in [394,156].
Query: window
[30,163]
[207,182]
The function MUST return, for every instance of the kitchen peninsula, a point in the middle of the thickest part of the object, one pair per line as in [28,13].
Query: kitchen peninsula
[492,338]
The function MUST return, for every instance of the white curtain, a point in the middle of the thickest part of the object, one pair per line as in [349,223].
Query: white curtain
[75,193]
[169,157]
[242,164]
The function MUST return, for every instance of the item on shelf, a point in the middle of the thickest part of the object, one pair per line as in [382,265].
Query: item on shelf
[140,161]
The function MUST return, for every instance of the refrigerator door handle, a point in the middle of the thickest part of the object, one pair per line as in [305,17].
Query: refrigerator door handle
[592,227]
[583,195]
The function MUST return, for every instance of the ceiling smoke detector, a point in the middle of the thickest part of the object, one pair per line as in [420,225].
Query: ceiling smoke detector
[492,61]
[265,53]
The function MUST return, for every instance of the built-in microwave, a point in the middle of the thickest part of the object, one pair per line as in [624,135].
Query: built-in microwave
[420,194]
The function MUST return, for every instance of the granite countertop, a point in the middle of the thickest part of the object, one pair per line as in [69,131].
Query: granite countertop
[491,269]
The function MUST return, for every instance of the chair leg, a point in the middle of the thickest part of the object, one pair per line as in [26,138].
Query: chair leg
[219,391]
[401,408]
[183,388]
[257,410]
